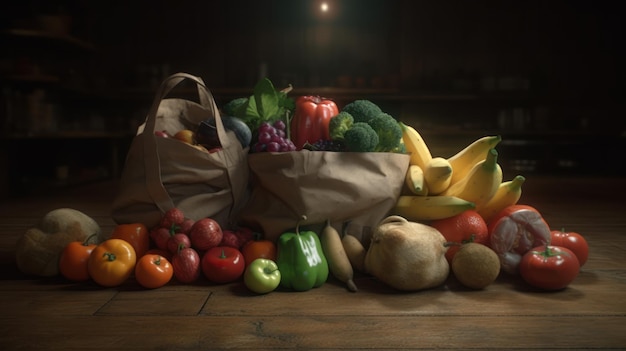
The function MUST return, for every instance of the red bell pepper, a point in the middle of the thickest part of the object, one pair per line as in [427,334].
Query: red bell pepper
[310,120]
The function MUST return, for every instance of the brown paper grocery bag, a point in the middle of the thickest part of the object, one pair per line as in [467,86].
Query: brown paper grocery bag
[161,173]
[352,188]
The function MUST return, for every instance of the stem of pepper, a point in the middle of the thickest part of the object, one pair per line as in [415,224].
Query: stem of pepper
[303,218]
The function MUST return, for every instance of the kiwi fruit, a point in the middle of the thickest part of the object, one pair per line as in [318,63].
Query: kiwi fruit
[475,265]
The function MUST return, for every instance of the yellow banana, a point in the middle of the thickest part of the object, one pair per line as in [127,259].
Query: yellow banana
[437,174]
[463,161]
[508,194]
[415,180]
[480,183]
[426,208]
[415,146]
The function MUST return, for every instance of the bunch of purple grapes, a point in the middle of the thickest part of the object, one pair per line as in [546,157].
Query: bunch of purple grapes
[328,145]
[273,138]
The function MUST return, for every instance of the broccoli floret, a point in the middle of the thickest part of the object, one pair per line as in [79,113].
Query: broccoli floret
[230,108]
[401,149]
[362,110]
[338,125]
[388,130]
[361,138]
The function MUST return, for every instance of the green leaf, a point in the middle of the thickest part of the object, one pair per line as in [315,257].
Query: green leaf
[266,99]
[251,110]
[265,105]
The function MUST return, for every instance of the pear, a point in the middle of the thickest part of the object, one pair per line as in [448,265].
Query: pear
[407,255]
[475,265]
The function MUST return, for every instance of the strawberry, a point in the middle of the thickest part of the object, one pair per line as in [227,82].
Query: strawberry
[230,238]
[185,227]
[178,242]
[171,217]
[160,236]
[245,235]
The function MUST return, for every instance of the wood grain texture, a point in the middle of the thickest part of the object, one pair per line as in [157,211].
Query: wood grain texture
[51,313]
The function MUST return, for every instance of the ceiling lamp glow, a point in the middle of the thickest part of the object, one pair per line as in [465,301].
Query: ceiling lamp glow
[324,7]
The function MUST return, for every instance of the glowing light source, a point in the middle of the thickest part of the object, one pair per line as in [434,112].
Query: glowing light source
[324,7]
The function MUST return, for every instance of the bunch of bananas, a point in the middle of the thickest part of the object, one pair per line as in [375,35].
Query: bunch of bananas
[443,187]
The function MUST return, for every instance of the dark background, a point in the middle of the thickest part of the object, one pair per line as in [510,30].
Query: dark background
[546,75]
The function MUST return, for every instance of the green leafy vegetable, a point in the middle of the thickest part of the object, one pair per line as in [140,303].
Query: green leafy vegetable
[265,105]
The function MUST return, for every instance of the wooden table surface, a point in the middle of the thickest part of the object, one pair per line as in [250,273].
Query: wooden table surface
[51,313]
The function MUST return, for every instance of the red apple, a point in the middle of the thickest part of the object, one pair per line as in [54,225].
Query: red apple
[205,234]
[162,134]
[186,264]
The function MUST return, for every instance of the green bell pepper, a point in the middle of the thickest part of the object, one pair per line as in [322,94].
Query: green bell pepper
[301,261]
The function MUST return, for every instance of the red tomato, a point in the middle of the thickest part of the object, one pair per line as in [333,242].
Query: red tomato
[223,264]
[153,271]
[134,233]
[258,249]
[549,267]
[73,261]
[572,241]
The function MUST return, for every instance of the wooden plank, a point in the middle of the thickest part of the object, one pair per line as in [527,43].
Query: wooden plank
[511,299]
[158,302]
[313,332]
[32,304]
[601,294]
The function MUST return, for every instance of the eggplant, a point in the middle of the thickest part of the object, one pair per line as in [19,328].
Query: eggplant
[206,134]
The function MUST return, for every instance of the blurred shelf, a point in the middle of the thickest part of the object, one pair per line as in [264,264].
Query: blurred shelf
[43,35]
[31,78]
[68,135]
[339,93]
[523,134]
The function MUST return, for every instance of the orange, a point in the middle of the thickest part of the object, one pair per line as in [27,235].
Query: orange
[462,228]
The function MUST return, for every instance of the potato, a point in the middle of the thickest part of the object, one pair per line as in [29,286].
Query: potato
[38,250]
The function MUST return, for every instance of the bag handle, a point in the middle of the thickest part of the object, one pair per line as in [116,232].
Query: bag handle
[205,97]
[152,162]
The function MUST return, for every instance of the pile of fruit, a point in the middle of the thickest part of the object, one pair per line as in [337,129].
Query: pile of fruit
[456,216]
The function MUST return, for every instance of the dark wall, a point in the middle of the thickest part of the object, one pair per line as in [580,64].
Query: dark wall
[560,45]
